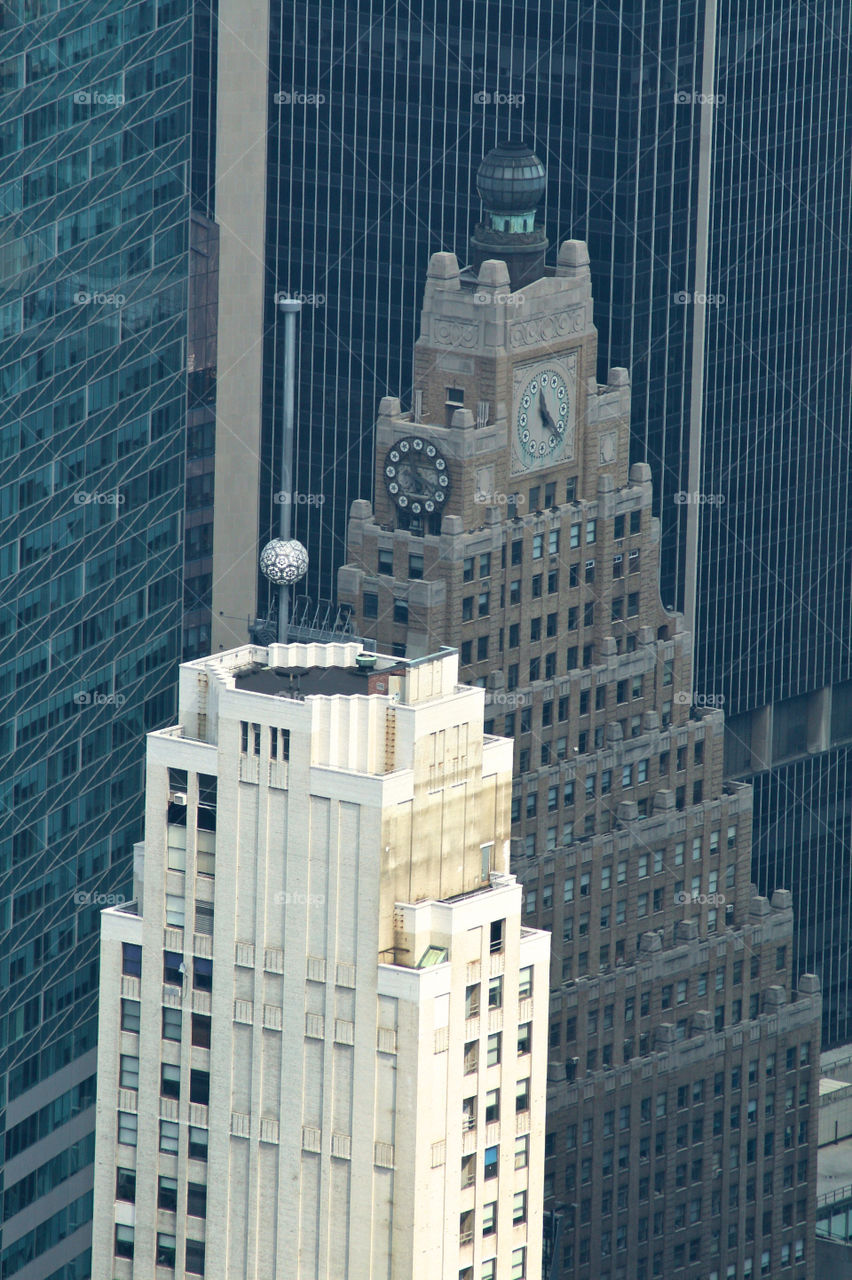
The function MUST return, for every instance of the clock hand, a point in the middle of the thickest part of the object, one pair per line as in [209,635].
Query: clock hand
[547,416]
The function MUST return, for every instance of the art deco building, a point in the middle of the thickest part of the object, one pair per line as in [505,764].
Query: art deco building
[694,147]
[509,522]
[323,1024]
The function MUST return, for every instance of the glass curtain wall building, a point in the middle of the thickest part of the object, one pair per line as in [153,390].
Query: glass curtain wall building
[99,183]
[701,150]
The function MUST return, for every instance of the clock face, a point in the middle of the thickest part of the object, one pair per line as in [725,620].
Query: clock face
[417,476]
[544,417]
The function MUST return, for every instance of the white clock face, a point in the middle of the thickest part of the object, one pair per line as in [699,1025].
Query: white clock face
[544,418]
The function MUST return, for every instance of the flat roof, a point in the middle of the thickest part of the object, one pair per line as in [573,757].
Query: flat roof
[292,681]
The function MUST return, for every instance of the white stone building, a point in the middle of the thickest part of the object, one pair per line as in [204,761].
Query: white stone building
[322,1050]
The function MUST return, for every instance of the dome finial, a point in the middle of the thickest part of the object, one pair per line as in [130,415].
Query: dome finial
[511,182]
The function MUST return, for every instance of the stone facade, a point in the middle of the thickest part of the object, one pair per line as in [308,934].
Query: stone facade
[323,1035]
[682,1061]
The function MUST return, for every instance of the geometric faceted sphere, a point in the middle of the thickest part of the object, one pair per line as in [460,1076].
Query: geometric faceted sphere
[283,562]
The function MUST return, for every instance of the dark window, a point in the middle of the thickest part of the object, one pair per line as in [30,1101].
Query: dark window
[202,974]
[125,1185]
[131,959]
[123,1242]
[194,1258]
[400,614]
[371,605]
[167,1194]
[196,1200]
[199,1087]
[165,1255]
[415,565]
[173,968]
[201,1030]
[197,1143]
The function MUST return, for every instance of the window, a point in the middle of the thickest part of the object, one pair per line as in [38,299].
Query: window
[206,847]
[468,1171]
[471,1056]
[489,1218]
[196,1200]
[175,911]
[172,1024]
[173,968]
[525,983]
[170,1080]
[489,1269]
[167,1194]
[492,1162]
[202,974]
[524,1038]
[176,853]
[128,1072]
[493,1049]
[415,565]
[130,1014]
[169,1137]
[371,604]
[522,1095]
[123,1241]
[519,1207]
[194,1258]
[517,551]
[197,1143]
[199,1087]
[492,1105]
[400,611]
[385,560]
[125,1185]
[553,542]
[537,546]
[471,1002]
[131,960]
[127,1128]
[495,993]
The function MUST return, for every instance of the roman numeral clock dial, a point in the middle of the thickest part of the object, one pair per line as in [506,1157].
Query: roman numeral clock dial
[544,415]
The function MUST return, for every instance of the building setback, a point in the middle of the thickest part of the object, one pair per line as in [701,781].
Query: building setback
[521,534]
[323,1026]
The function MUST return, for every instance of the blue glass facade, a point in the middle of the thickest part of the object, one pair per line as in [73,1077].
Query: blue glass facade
[99,185]
[703,153]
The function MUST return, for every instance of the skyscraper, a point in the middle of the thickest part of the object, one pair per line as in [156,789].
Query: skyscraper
[701,150]
[103,198]
[509,520]
[324,1027]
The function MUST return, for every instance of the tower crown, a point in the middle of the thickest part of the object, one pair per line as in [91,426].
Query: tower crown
[511,182]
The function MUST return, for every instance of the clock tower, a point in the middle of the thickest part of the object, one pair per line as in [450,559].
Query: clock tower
[507,427]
